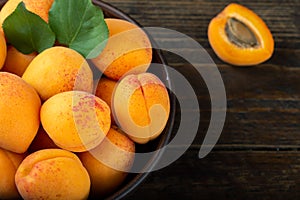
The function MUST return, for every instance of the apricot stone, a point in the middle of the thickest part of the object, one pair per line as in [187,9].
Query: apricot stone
[9,162]
[108,163]
[20,107]
[76,121]
[52,174]
[59,69]
[134,55]
[141,106]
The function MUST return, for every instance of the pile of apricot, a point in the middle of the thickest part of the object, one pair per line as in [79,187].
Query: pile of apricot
[56,116]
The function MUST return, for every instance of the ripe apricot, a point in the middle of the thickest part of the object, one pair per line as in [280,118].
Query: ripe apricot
[17,62]
[52,174]
[134,55]
[240,37]
[104,90]
[108,163]
[3,50]
[76,121]
[20,107]
[141,106]
[9,162]
[40,8]
[59,69]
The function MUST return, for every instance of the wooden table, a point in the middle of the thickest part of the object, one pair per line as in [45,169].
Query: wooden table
[257,155]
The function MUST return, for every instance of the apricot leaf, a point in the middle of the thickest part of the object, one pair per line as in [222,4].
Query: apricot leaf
[79,25]
[27,31]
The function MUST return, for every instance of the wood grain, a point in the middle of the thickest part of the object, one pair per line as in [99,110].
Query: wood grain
[257,155]
[226,175]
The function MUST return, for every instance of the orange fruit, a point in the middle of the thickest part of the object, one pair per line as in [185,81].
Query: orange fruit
[17,62]
[2,50]
[40,7]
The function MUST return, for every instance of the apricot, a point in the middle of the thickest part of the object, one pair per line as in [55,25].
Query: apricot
[104,90]
[141,106]
[240,37]
[59,69]
[40,8]
[9,162]
[76,121]
[52,174]
[108,163]
[17,62]
[3,50]
[20,107]
[134,55]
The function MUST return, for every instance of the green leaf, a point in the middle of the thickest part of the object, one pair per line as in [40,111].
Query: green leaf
[79,25]
[27,31]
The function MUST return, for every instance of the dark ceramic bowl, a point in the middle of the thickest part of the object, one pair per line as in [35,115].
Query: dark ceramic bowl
[133,180]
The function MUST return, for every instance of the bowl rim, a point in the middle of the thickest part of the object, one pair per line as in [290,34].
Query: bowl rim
[164,138]
[139,178]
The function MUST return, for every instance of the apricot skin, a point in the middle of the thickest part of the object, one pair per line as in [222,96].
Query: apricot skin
[141,106]
[134,55]
[104,177]
[9,162]
[52,174]
[59,69]
[17,62]
[3,51]
[20,107]
[76,121]
[104,90]
[40,7]
[231,53]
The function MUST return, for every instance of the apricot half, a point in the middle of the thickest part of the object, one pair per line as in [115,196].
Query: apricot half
[240,37]
[20,107]
[76,121]
[141,106]
[108,164]
[128,49]
[52,174]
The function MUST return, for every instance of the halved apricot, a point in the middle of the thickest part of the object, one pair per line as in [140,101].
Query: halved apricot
[240,37]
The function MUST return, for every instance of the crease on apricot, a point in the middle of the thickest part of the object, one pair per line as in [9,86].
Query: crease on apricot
[140,132]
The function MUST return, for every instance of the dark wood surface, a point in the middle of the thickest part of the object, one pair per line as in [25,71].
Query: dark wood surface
[257,155]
